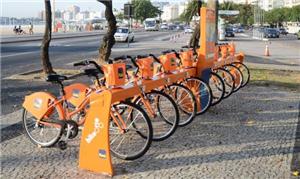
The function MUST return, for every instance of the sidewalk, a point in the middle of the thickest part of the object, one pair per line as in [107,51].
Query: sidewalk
[226,142]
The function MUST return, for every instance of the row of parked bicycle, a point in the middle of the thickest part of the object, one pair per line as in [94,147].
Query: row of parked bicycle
[170,94]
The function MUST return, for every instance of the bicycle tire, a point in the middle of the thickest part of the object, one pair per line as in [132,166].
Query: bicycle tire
[219,86]
[238,76]
[228,80]
[157,124]
[147,137]
[197,85]
[245,71]
[186,115]
[34,139]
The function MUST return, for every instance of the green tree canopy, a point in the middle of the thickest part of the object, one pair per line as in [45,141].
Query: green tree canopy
[279,15]
[144,9]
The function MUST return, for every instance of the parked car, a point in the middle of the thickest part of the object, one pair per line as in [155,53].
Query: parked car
[282,31]
[172,27]
[229,32]
[271,33]
[235,29]
[123,35]
[179,27]
[240,30]
[188,30]
[164,27]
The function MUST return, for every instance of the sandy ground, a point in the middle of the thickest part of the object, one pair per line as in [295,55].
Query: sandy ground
[8,30]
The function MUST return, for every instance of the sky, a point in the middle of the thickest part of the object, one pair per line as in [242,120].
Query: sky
[30,8]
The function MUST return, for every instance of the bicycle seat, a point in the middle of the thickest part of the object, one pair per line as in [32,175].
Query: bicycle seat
[56,78]
[91,72]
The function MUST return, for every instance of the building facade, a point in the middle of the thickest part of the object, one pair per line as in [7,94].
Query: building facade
[170,12]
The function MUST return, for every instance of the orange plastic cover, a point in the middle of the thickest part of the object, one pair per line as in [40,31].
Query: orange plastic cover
[223,52]
[146,67]
[38,103]
[187,59]
[115,74]
[157,68]
[76,93]
[231,49]
[168,62]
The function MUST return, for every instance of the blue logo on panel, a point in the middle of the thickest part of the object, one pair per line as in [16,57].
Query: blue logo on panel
[102,153]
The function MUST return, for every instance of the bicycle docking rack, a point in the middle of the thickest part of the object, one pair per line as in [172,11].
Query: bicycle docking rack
[94,153]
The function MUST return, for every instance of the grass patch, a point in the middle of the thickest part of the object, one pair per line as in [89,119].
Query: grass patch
[283,78]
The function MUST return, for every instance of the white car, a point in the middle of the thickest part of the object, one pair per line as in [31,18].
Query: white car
[188,30]
[123,35]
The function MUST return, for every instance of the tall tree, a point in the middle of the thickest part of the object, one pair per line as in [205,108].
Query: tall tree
[144,9]
[190,11]
[47,66]
[108,39]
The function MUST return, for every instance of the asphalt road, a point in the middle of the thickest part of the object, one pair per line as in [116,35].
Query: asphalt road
[25,56]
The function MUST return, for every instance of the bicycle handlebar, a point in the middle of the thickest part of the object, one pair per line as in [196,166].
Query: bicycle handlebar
[82,63]
[155,58]
[88,62]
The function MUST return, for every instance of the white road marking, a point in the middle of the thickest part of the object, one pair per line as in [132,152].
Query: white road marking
[18,54]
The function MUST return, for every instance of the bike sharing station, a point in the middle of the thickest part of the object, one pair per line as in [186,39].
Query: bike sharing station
[95,155]
[197,69]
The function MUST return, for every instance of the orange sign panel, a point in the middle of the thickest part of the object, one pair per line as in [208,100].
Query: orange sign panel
[94,154]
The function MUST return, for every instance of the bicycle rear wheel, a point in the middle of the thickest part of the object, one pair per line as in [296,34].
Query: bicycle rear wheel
[217,87]
[45,132]
[186,102]
[202,93]
[133,140]
[228,80]
[166,116]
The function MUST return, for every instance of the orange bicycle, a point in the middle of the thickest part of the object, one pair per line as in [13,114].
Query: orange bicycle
[160,107]
[183,97]
[43,112]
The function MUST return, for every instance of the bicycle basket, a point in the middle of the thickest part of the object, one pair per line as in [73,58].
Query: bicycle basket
[168,62]
[146,66]
[115,74]
[187,59]
[76,93]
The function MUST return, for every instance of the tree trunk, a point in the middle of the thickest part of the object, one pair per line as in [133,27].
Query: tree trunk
[194,40]
[47,67]
[109,39]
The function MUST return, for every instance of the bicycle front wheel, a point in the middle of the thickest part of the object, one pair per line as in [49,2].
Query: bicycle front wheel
[186,102]
[237,75]
[217,87]
[163,113]
[245,71]
[45,132]
[228,80]
[202,93]
[130,132]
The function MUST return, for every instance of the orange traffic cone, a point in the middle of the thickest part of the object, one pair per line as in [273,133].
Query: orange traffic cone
[267,51]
